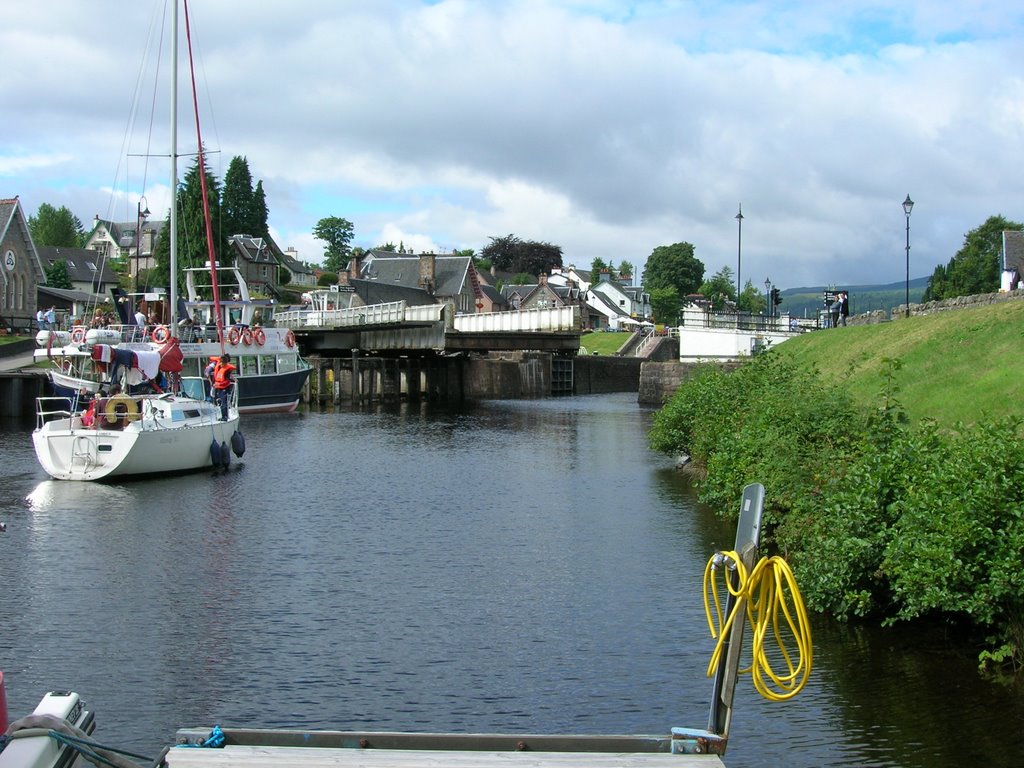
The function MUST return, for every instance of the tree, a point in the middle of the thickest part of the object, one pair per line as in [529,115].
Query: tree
[719,288]
[244,209]
[976,266]
[337,233]
[666,305]
[751,299]
[192,249]
[57,275]
[56,227]
[510,254]
[673,266]
[626,271]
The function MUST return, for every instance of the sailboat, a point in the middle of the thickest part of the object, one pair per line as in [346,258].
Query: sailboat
[117,433]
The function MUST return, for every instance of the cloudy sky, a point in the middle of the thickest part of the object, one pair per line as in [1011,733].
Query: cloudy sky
[607,128]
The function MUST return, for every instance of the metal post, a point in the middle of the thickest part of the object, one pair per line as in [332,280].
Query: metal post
[908,206]
[739,252]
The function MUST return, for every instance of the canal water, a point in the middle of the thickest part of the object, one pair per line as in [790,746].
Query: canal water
[523,566]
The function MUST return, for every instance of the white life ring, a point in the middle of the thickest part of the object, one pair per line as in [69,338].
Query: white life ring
[161,334]
[78,334]
[247,337]
[259,336]
[233,337]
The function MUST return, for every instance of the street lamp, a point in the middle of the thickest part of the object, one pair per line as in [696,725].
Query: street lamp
[140,218]
[739,252]
[768,296]
[908,206]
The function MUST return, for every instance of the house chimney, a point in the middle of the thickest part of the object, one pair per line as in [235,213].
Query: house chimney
[355,266]
[428,264]
[343,278]
[605,276]
[543,279]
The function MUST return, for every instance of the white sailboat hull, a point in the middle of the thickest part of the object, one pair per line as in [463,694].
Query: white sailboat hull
[172,434]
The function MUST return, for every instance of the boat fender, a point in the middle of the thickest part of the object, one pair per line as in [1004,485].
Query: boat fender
[238,443]
[225,455]
[215,453]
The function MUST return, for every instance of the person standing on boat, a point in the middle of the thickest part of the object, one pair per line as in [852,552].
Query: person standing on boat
[140,316]
[223,381]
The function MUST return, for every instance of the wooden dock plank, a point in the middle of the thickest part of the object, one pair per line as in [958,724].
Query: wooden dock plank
[235,756]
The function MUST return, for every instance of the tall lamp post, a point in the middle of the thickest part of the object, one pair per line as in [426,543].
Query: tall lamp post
[908,206]
[768,297]
[739,252]
[140,219]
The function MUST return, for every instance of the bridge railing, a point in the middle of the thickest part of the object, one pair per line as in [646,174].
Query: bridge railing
[373,314]
[549,320]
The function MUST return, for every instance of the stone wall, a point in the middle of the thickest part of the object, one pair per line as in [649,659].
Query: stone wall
[931,307]
[598,374]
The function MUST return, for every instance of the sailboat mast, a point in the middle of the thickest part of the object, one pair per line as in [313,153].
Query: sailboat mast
[210,250]
[173,223]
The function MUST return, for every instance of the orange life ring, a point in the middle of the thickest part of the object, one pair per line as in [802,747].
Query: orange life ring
[233,337]
[247,337]
[259,336]
[78,334]
[161,334]
[289,338]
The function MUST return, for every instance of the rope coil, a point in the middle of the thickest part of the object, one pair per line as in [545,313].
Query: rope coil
[772,600]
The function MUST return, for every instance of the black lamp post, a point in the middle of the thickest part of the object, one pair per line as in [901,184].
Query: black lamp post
[739,252]
[768,297]
[140,218]
[908,206]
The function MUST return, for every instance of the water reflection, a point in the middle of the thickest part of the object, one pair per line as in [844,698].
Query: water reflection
[522,566]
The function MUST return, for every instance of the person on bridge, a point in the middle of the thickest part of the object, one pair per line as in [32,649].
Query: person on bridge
[223,381]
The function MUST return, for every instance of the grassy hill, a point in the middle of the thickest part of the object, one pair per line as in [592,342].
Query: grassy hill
[960,365]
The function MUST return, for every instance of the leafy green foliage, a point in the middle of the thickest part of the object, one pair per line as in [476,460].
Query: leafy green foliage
[337,233]
[719,288]
[976,266]
[510,254]
[666,305]
[56,227]
[878,517]
[674,266]
[244,209]
[57,275]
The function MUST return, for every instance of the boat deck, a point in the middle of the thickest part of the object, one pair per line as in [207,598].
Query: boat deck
[270,748]
[235,756]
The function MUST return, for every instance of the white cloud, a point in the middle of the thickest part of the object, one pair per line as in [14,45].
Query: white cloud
[607,128]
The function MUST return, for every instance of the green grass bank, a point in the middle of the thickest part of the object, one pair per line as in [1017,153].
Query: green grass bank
[963,365]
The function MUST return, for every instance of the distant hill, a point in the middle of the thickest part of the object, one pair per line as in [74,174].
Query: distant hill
[805,302]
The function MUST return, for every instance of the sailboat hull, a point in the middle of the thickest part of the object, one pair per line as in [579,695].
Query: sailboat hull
[171,435]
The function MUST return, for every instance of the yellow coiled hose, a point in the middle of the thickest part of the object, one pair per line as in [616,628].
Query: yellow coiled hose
[769,593]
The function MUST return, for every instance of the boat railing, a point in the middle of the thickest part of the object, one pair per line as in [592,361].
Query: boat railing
[52,408]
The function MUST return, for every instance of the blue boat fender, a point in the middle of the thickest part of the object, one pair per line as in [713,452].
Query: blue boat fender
[215,453]
[225,455]
[238,443]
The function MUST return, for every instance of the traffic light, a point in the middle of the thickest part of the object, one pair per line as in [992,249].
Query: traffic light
[776,298]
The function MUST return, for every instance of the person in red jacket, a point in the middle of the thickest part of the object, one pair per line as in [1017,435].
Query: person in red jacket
[223,381]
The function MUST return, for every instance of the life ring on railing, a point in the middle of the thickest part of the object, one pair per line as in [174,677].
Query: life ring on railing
[259,336]
[78,334]
[161,334]
[247,337]
[233,337]
[119,410]
[289,338]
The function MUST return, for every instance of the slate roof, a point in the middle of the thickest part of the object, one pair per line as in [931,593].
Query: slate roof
[379,292]
[1013,251]
[404,269]
[83,263]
